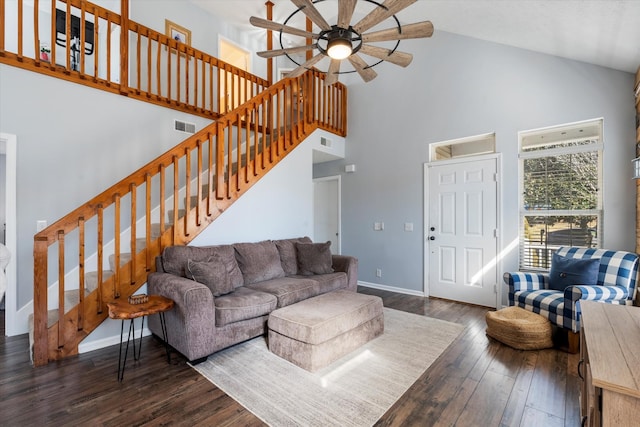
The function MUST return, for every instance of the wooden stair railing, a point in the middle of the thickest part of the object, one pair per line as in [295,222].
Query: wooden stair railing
[207,172]
[142,63]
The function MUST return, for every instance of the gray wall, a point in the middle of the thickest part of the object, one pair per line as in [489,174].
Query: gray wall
[457,87]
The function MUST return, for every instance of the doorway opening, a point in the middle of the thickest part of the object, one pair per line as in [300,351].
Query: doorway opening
[463,147]
[232,91]
[326,211]
[8,151]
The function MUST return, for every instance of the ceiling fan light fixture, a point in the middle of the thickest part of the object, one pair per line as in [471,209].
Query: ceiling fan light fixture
[344,39]
[339,48]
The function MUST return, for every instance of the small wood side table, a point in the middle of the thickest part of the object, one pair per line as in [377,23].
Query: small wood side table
[124,310]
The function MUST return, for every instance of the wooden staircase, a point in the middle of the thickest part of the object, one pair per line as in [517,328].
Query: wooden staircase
[199,179]
[105,249]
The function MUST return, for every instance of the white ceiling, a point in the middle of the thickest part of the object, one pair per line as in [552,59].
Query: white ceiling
[602,32]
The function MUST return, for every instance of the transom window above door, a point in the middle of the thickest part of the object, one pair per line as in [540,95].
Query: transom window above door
[462,147]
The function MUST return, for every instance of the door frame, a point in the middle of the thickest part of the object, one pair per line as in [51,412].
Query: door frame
[338,179]
[11,242]
[499,251]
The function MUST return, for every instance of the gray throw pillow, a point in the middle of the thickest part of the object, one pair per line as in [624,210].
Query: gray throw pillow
[212,273]
[258,261]
[174,260]
[288,255]
[314,258]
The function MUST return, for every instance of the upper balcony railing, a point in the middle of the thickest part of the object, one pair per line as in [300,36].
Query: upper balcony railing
[100,48]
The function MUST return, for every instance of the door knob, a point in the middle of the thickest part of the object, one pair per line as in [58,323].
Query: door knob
[432,237]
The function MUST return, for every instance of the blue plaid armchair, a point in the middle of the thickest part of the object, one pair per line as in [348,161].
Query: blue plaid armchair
[616,285]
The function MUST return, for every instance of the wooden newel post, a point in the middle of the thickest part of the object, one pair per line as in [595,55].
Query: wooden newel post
[40,334]
[2,19]
[124,47]
[269,5]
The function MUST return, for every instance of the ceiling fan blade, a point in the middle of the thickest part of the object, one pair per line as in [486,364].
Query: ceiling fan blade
[274,26]
[332,72]
[345,12]
[289,50]
[358,63]
[304,67]
[411,31]
[399,58]
[379,14]
[307,7]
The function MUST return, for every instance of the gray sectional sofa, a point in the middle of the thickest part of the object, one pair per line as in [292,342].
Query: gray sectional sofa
[223,294]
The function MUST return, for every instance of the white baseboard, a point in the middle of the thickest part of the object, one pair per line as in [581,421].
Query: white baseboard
[108,341]
[390,288]
[21,321]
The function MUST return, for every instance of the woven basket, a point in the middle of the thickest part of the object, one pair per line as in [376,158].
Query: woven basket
[519,328]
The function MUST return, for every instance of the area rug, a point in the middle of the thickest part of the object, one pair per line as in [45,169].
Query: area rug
[355,390]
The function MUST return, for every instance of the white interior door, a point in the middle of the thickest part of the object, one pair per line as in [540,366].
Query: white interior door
[326,211]
[462,231]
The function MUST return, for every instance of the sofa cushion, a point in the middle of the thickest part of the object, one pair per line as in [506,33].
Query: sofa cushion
[258,261]
[329,282]
[314,258]
[175,258]
[572,271]
[243,304]
[288,254]
[288,290]
[211,273]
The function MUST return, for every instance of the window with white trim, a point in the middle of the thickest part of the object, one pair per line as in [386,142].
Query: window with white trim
[560,190]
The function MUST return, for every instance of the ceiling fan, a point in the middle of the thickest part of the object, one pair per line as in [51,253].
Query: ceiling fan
[344,40]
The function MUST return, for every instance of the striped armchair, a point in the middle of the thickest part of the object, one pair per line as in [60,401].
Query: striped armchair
[616,285]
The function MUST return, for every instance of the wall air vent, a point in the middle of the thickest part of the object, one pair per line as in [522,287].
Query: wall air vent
[324,141]
[184,126]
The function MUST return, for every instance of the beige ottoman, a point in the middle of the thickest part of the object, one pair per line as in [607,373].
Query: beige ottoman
[519,328]
[317,331]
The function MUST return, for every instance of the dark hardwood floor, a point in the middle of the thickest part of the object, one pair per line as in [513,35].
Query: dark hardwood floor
[476,382]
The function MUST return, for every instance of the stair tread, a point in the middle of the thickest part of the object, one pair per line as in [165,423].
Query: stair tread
[124,258]
[91,279]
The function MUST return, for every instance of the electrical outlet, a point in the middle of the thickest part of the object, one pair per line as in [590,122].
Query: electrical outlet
[408,226]
[41,224]
[378,272]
